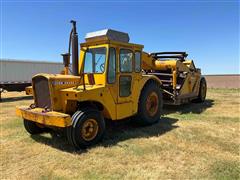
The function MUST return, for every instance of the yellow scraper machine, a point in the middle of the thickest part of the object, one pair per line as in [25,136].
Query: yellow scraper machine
[181,80]
[110,79]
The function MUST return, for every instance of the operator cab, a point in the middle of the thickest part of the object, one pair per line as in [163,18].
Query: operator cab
[107,58]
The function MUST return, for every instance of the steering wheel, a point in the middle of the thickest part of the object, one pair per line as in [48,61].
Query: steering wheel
[102,67]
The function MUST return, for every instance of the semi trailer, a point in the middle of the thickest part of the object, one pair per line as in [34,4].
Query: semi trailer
[16,75]
[111,79]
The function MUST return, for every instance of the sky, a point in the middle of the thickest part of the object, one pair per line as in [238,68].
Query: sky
[207,30]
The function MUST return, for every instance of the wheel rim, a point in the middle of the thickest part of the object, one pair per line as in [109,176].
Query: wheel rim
[152,103]
[89,129]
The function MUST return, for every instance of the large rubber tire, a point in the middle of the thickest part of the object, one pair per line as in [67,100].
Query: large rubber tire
[75,134]
[32,128]
[202,91]
[144,117]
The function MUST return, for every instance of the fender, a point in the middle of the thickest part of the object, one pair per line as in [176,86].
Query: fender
[139,86]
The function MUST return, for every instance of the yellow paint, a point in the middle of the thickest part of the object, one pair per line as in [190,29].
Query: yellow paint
[29,90]
[190,86]
[174,77]
[38,115]
[66,91]
[66,70]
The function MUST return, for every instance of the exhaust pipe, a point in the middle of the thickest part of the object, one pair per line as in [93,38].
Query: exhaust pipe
[74,40]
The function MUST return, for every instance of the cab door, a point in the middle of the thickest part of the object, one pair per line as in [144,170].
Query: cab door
[125,75]
[112,73]
[120,79]
[125,83]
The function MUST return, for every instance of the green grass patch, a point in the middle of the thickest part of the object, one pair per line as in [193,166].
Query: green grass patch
[226,170]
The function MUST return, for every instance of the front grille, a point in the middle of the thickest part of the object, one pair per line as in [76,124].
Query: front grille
[41,92]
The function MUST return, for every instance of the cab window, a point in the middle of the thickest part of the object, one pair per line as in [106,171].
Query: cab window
[137,61]
[111,75]
[126,58]
[94,60]
[125,86]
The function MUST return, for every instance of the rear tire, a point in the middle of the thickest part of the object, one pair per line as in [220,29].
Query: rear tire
[88,127]
[150,104]
[202,91]
[32,128]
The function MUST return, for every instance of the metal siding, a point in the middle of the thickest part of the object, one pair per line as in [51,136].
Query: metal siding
[19,71]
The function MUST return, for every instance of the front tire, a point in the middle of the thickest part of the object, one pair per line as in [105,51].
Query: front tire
[88,127]
[32,128]
[150,104]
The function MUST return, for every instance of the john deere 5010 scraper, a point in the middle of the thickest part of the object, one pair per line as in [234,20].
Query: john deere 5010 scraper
[111,79]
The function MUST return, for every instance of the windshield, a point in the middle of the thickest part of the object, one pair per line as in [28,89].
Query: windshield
[95,60]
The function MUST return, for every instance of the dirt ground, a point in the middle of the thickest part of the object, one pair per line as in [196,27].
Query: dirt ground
[193,141]
[223,81]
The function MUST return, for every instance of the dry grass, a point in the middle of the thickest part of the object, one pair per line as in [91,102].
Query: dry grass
[195,141]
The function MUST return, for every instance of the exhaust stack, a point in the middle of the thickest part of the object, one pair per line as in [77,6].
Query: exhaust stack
[74,41]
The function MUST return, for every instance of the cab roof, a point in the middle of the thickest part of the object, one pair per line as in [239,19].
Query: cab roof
[109,36]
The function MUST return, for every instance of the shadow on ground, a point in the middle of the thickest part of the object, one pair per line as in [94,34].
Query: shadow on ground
[196,108]
[12,99]
[124,130]
[115,133]
[121,131]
